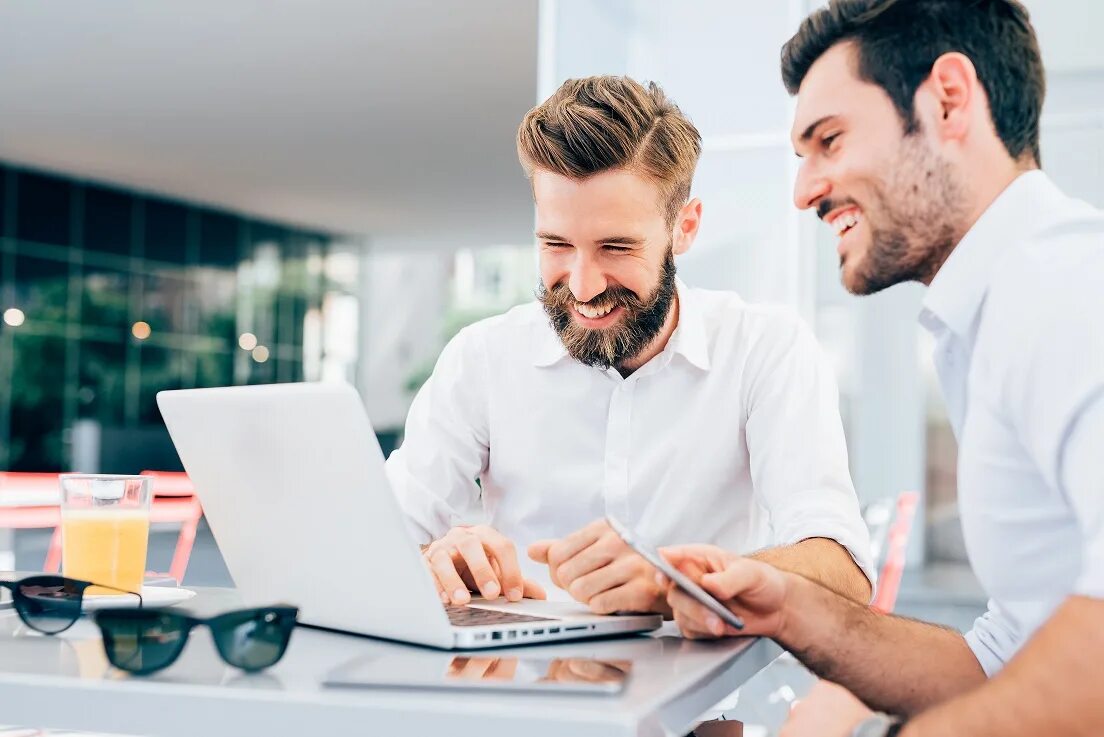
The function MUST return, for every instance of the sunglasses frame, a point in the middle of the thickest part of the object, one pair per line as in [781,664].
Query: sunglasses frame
[19,599]
[288,620]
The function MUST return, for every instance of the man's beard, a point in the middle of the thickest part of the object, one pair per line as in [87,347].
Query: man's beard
[914,221]
[638,326]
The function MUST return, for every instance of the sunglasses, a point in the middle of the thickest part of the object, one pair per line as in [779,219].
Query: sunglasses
[143,641]
[51,604]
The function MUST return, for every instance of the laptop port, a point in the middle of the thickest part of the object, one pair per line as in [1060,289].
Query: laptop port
[496,635]
[553,630]
[481,636]
[538,632]
[576,628]
[511,635]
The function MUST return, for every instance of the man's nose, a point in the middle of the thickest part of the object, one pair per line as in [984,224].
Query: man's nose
[586,280]
[809,188]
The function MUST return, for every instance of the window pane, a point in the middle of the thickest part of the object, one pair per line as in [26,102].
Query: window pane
[102,381]
[41,288]
[166,235]
[159,369]
[105,299]
[213,368]
[37,402]
[43,209]
[218,239]
[108,214]
[165,296]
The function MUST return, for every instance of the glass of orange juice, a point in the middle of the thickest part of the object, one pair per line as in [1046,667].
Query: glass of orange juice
[105,530]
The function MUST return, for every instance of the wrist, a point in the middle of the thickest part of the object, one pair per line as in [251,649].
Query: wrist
[878,725]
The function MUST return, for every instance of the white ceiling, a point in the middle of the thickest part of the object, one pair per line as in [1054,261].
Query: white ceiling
[391,118]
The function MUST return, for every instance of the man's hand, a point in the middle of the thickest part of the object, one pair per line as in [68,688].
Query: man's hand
[477,558]
[597,568]
[828,711]
[753,590]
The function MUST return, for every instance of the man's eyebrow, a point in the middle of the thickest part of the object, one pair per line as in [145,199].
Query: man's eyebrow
[544,235]
[625,240]
[808,133]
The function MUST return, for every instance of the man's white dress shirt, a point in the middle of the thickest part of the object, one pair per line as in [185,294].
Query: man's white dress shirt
[731,435]
[1018,316]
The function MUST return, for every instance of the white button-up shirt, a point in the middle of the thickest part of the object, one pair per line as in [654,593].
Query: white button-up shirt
[1018,316]
[731,435]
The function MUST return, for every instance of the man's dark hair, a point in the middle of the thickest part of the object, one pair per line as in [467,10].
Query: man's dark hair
[898,41]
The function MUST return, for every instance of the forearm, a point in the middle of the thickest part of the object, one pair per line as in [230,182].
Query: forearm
[824,561]
[1052,687]
[893,664]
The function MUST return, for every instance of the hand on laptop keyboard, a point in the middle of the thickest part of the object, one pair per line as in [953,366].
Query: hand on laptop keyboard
[477,558]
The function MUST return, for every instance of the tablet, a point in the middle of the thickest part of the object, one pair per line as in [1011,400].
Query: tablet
[485,672]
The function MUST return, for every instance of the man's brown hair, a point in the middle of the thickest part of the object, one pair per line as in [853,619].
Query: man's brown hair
[598,124]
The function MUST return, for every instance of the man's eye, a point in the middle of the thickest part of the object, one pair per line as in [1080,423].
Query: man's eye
[556,245]
[827,141]
[616,249]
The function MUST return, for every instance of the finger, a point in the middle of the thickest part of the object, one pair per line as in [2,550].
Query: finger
[676,554]
[533,590]
[538,551]
[633,596]
[739,577]
[696,616]
[449,579]
[587,561]
[471,549]
[575,543]
[584,588]
[441,594]
[505,559]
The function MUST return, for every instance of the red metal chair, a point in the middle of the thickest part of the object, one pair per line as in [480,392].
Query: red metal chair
[31,500]
[896,549]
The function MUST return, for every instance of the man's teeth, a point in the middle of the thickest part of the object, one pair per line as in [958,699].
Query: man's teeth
[845,222]
[593,312]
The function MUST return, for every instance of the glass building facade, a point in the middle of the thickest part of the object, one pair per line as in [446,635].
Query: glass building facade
[109,296]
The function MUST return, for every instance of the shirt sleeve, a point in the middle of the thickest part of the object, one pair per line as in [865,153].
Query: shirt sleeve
[796,444]
[1053,387]
[445,448]
[995,638]
[1082,476]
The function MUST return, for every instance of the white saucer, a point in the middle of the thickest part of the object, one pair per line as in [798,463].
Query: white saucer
[151,596]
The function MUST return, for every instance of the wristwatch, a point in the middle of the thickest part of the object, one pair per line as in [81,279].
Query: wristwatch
[879,725]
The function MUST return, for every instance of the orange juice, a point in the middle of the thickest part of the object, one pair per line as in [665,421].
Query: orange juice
[105,546]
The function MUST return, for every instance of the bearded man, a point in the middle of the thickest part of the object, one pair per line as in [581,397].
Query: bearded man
[685,413]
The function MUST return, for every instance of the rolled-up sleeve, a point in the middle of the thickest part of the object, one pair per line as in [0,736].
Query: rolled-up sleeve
[797,447]
[995,638]
[445,448]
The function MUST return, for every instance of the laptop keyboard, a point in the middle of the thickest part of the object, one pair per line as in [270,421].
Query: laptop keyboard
[466,616]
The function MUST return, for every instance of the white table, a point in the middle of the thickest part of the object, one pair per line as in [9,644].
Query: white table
[65,683]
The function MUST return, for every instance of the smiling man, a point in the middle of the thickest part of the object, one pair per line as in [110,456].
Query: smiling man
[917,123]
[685,413]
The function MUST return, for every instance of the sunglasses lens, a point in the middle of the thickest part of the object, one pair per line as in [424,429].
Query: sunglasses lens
[142,641]
[49,604]
[253,639]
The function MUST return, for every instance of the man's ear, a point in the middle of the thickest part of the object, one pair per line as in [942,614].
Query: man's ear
[954,92]
[686,226]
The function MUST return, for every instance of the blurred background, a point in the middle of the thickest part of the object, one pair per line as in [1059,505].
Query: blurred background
[249,191]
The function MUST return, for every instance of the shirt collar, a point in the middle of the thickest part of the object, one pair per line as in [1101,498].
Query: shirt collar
[958,290]
[688,340]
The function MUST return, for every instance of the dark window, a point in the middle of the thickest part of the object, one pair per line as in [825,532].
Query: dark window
[3,201]
[42,288]
[218,239]
[100,395]
[108,214]
[43,209]
[160,369]
[105,299]
[166,236]
[37,403]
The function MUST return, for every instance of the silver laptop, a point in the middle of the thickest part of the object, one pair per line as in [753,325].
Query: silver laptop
[293,485]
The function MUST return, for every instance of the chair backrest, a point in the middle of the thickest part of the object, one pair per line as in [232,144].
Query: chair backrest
[895,552]
[170,483]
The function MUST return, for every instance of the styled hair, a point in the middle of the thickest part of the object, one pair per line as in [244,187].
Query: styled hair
[898,41]
[599,124]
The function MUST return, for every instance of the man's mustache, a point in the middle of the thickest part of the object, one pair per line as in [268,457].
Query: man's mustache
[827,205]
[560,296]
